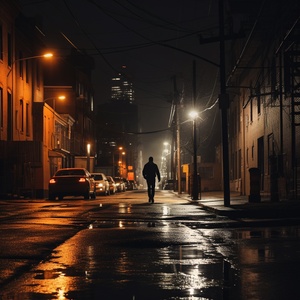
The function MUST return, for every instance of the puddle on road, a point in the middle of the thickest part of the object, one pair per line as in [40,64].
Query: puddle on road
[89,267]
[222,264]
[125,224]
[183,272]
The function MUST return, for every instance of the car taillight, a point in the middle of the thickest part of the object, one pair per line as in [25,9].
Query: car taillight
[82,179]
[52,180]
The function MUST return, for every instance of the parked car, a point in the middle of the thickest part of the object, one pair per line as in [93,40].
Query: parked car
[72,182]
[102,184]
[112,185]
[126,182]
[132,185]
[120,185]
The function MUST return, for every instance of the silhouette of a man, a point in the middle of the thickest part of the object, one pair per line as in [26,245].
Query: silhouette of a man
[150,171]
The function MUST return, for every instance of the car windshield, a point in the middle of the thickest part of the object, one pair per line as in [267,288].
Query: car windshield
[70,172]
[98,177]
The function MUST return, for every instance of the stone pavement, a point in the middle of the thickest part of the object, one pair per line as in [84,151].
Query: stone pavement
[283,211]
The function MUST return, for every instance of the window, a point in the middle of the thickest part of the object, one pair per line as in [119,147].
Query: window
[258,104]
[22,115]
[9,117]
[92,103]
[1,42]
[20,65]
[27,119]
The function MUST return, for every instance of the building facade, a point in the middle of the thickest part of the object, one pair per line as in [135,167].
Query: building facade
[117,130]
[39,134]
[122,87]
[263,86]
[21,85]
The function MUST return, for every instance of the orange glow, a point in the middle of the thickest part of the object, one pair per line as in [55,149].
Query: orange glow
[82,179]
[48,55]
[52,180]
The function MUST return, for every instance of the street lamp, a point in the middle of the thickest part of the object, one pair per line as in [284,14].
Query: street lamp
[195,190]
[46,55]
[62,97]
[167,152]
[14,88]
[88,151]
[121,166]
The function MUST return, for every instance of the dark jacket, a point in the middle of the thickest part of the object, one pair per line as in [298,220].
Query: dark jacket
[150,171]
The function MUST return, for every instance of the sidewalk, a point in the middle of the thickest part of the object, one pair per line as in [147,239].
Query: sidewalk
[240,207]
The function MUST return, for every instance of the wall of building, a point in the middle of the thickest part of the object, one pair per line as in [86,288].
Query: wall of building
[261,136]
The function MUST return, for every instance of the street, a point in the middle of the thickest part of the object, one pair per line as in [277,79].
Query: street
[122,247]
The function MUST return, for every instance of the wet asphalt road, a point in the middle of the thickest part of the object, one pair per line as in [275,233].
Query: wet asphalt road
[121,247]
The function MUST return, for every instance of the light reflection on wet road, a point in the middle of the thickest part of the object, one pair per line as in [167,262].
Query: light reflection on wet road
[164,258]
[166,261]
[156,262]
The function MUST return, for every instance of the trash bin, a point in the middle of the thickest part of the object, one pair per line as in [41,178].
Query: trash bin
[195,194]
[254,185]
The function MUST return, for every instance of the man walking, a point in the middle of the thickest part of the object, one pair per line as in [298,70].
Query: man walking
[150,171]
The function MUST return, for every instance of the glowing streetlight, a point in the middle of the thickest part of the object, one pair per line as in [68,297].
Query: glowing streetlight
[88,151]
[121,154]
[166,161]
[46,55]
[193,114]
[195,190]
[53,99]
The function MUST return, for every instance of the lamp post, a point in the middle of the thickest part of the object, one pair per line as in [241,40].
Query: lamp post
[195,190]
[46,55]
[167,152]
[119,161]
[62,97]
[121,165]
[14,89]
[88,152]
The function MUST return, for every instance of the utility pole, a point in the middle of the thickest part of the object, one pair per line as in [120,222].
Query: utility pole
[195,191]
[223,96]
[178,155]
[178,150]
[224,104]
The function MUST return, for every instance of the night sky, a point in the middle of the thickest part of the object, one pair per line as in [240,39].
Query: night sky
[156,40]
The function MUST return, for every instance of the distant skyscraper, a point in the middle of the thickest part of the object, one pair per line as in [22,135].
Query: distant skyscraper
[122,88]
